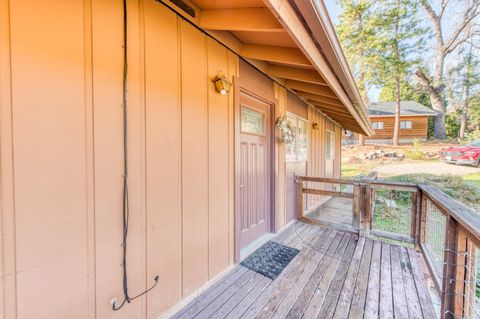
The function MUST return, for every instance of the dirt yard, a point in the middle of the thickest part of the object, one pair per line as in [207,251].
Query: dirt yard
[429,167]
[389,160]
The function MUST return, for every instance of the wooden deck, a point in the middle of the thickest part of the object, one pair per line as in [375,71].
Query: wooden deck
[335,275]
[335,211]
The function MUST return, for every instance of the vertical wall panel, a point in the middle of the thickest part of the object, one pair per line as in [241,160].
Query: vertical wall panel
[233,64]
[7,206]
[194,158]
[49,152]
[218,168]
[280,164]
[163,115]
[107,23]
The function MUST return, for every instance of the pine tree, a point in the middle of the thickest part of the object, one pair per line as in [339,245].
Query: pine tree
[401,38]
[357,31]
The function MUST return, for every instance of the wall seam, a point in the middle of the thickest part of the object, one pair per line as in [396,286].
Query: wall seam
[89,158]
[7,159]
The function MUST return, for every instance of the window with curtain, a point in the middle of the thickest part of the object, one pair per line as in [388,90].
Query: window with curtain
[406,125]
[377,125]
[298,150]
[330,146]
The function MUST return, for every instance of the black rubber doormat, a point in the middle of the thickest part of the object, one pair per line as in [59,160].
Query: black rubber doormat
[270,259]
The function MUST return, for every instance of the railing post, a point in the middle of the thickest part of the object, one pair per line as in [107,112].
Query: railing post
[299,198]
[422,220]
[453,289]
[448,285]
[361,208]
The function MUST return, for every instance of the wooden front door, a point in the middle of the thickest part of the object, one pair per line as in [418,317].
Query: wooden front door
[253,170]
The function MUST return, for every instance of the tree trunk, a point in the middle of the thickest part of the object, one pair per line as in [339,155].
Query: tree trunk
[396,131]
[463,124]
[361,140]
[439,130]
[464,116]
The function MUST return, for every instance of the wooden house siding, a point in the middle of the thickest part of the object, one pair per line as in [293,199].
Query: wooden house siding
[419,127]
[61,157]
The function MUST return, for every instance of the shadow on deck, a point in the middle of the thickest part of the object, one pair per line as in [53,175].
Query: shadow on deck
[335,275]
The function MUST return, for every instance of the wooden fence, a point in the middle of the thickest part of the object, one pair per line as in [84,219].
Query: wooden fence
[445,231]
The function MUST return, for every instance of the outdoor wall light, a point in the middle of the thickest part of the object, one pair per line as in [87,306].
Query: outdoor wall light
[315,126]
[222,85]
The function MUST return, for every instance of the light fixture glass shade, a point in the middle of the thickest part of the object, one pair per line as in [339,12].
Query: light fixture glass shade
[222,85]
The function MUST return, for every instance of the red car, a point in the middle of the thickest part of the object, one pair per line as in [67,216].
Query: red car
[465,154]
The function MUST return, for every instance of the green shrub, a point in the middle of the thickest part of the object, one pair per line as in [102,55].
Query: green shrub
[455,186]
[472,136]
[415,153]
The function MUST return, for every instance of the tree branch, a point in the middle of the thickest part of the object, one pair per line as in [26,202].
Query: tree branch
[424,81]
[454,40]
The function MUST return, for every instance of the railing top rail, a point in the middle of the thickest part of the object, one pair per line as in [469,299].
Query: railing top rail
[331,180]
[352,181]
[464,215]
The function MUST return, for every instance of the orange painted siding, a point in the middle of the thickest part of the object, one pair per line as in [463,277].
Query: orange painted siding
[318,165]
[61,158]
[419,127]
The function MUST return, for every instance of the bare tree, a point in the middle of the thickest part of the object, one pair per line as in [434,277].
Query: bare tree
[445,44]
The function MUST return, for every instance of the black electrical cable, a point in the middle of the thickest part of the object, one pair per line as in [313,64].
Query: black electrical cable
[125,210]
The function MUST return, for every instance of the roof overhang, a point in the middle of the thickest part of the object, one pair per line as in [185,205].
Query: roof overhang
[294,43]
[401,115]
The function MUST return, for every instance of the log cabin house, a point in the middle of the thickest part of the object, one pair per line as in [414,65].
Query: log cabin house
[414,119]
[140,159]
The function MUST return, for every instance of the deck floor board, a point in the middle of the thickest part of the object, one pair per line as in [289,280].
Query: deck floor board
[335,275]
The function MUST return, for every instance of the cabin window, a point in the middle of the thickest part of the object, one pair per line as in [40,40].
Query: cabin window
[377,125]
[406,125]
[297,151]
[330,151]
[253,122]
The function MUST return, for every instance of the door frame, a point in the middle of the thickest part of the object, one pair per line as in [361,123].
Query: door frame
[238,89]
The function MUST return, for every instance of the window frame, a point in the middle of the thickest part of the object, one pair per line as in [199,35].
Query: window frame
[328,142]
[298,119]
[405,125]
[378,122]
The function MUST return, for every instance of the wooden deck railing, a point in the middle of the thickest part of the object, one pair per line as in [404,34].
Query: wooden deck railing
[445,231]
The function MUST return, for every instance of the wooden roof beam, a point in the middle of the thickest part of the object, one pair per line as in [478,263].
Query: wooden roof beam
[321,99]
[311,88]
[290,56]
[302,75]
[331,108]
[295,27]
[243,19]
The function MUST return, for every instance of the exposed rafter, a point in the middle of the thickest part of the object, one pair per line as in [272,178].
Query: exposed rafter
[312,88]
[321,99]
[290,73]
[243,19]
[290,56]
[331,108]
[288,17]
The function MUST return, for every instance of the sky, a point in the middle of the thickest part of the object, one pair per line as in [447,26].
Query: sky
[333,10]
[449,24]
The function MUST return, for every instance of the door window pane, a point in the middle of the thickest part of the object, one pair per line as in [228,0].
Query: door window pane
[253,122]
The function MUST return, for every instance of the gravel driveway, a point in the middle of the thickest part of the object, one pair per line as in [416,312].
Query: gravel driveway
[426,167]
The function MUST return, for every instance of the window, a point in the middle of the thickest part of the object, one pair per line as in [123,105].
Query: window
[297,151]
[406,125]
[330,151]
[253,122]
[377,125]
